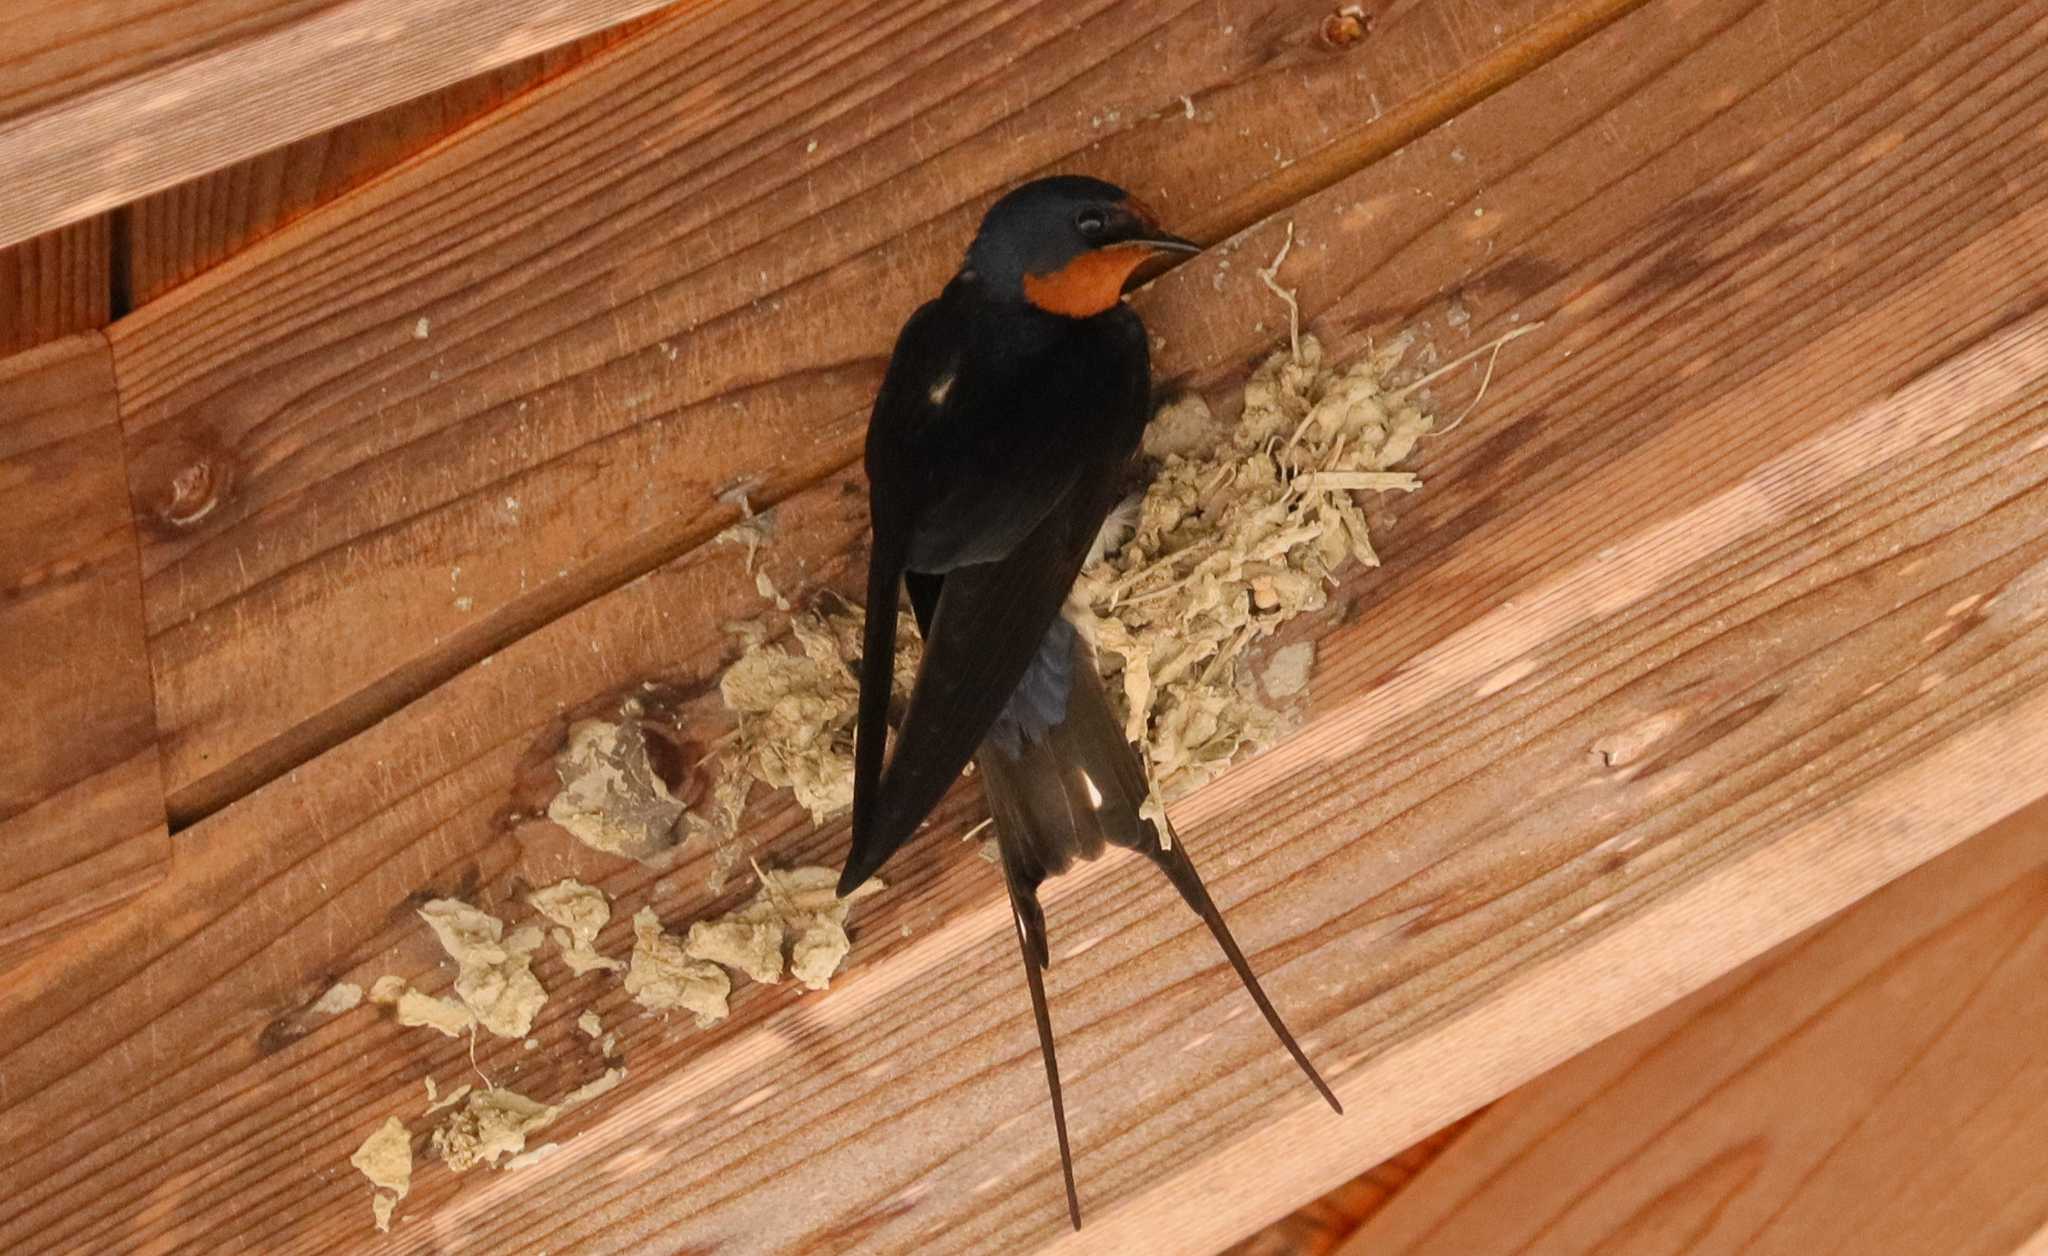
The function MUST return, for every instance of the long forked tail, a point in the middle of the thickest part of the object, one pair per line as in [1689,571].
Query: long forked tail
[1180,870]
[1092,742]
[1031,939]
[1062,784]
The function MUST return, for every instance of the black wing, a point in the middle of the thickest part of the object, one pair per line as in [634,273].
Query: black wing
[1004,496]
[927,350]
[985,630]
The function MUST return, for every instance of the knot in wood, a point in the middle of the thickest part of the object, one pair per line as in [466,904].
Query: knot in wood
[192,494]
[185,480]
[1346,26]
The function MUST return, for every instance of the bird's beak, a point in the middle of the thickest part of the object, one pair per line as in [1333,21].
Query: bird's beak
[1161,242]
[1154,246]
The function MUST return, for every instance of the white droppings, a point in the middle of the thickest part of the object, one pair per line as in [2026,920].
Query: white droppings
[339,998]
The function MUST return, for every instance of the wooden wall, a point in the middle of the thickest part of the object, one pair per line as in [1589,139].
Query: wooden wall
[1722,612]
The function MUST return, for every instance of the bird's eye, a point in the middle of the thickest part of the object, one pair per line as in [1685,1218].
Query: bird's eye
[1090,222]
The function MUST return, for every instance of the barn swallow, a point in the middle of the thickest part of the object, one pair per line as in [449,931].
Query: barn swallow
[998,446]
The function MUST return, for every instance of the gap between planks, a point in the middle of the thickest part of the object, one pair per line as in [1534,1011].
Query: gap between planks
[206,92]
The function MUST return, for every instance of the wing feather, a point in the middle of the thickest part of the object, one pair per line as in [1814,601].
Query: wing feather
[903,407]
[985,630]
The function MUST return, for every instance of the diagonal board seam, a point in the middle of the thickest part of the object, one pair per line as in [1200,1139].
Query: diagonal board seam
[213,103]
[120,438]
[1329,165]
[753,65]
[2001,363]
[1831,873]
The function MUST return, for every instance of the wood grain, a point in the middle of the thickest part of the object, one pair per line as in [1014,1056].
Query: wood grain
[81,797]
[1766,628]
[524,369]
[1321,1227]
[103,104]
[55,285]
[174,234]
[1738,910]
[1878,1085]
[64,281]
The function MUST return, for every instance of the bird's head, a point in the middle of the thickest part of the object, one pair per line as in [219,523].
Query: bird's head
[1067,244]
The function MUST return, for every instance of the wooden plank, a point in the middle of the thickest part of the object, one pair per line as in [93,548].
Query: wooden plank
[1878,1085]
[174,234]
[81,797]
[55,285]
[1321,1227]
[1742,689]
[60,282]
[522,370]
[102,104]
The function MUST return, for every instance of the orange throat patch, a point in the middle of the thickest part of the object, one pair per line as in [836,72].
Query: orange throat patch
[1088,285]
